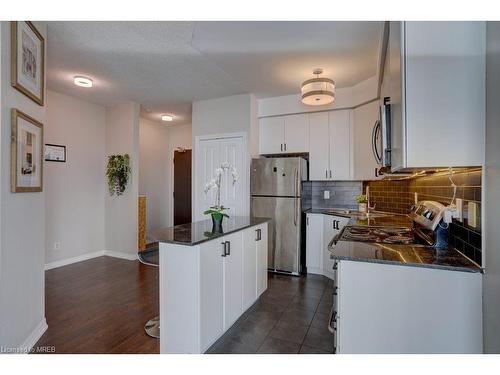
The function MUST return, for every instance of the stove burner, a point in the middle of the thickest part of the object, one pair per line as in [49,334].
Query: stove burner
[403,240]
[403,236]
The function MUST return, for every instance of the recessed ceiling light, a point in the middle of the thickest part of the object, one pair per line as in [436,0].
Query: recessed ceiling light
[167,118]
[82,81]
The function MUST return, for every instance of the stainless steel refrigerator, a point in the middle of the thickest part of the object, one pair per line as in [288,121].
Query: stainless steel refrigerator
[276,189]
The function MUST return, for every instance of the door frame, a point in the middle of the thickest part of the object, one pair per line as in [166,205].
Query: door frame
[243,175]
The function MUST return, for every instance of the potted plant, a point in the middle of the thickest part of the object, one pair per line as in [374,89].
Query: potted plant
[118,173]
[217,211]
[362,202]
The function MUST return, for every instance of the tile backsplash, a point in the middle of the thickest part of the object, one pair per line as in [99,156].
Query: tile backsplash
[342,194]
[399,195]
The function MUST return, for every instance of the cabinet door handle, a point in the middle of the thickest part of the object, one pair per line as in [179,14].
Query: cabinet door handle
[330,173]
[376,172]
[326,173]
[223,249]
[333,224]
[228,252]
[281,147]
[259,234]
[285,146]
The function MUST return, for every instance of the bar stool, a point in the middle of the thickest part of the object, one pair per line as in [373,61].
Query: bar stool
[150,258]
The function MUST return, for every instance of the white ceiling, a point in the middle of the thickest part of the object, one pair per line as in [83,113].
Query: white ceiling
[166,66]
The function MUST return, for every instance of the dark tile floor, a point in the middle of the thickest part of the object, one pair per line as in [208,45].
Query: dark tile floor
[290,317]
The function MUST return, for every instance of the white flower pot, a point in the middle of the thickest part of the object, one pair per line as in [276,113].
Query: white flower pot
[362,207]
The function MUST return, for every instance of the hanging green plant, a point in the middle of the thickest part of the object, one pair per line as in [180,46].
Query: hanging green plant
[118,173]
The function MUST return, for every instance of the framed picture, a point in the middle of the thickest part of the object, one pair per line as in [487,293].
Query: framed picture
[27,60]
[55,153]
[26,153]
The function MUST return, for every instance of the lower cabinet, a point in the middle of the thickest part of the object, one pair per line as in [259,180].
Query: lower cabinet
[320,231]
[205,288]
[388,309]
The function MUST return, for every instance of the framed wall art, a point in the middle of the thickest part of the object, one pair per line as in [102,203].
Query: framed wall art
[27,60]
[26,153]
[55,153]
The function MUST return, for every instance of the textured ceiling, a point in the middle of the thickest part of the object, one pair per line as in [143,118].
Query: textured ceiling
[166,66]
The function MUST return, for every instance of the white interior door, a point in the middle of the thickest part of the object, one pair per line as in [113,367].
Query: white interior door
[210,154]
[231,151]
[340,144]
[208,158]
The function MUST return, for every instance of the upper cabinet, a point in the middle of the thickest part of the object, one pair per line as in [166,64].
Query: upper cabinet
[330,145]
[365,165]
[437,94]
[284,134]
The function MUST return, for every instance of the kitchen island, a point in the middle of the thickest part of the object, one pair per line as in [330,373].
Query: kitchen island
[208,278]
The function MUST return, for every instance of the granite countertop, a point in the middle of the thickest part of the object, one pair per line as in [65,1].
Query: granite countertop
[405,255]
[191,234]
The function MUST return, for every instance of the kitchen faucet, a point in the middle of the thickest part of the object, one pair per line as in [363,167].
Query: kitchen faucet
[368,206]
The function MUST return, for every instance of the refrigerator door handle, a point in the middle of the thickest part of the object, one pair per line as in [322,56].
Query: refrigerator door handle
[295,197]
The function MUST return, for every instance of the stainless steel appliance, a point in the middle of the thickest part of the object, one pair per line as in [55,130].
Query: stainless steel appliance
[381,138]
[276,192]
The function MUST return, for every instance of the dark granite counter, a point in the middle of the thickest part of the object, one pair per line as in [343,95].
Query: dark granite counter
[201,231]
[403,255]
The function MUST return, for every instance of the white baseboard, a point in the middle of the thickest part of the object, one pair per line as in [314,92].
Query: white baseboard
[64,262]
[95,254]
[34,336]
[121,255]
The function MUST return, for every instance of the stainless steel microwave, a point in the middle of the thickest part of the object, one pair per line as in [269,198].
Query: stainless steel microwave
[381,138]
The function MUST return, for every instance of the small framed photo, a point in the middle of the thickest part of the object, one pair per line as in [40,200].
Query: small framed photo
[55,153]
[27,60]
[26,153]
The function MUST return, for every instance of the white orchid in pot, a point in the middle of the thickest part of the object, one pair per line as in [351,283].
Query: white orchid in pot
[217,211]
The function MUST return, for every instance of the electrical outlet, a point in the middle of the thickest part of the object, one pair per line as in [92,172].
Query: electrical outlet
[326,194]
[57,245]
[459,209]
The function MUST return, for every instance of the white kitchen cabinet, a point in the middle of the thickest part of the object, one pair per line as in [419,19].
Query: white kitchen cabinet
[332,225]
[233,280]
[330,145]
[314,243]
[340,144]
[437,74]
[320,230]
[254,264]
[296,134]
[205,288]
[211,304]
[319,146]
[271,135]
[364,163]
[284,134]
[262,254]
[388,309]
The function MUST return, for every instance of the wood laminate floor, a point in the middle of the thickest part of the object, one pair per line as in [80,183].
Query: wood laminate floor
[101,305]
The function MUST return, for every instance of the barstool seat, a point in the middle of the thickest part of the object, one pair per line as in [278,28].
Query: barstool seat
[150,258]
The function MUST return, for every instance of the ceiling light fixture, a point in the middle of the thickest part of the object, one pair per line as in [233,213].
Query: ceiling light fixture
[82,81]
[319,90]
[167,118]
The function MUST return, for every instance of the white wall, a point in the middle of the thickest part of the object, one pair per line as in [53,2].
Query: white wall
[153,171]
[75,190]
[179,136]
[121,217]
[491,192]
[22,225]
[347,97]
[232,114]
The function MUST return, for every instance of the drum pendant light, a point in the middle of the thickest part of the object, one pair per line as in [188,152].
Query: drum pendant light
[319,90]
